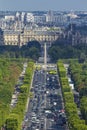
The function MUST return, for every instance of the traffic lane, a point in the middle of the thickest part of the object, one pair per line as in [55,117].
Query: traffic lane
[53,98]
[49,123]
[37,94]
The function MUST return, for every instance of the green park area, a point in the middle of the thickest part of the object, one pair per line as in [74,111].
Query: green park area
[10,71]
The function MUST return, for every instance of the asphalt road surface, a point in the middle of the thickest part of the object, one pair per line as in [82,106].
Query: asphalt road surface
[45,109]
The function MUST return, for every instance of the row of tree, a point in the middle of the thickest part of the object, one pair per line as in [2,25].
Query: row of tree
[79,76]
[15,118]
[74,121]
[9,72]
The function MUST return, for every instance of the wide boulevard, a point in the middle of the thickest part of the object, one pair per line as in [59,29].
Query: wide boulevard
[45,110]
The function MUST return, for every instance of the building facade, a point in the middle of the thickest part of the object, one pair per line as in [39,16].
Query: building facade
[22,38]
[11,38]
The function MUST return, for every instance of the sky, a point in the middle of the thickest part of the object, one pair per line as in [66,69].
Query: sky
[43,5]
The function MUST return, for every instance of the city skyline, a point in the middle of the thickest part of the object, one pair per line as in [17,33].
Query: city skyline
[44,5]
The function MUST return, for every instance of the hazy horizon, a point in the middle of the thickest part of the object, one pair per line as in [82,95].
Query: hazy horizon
[43,5]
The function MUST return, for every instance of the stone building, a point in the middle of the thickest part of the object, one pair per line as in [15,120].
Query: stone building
[11,38]
[22,38]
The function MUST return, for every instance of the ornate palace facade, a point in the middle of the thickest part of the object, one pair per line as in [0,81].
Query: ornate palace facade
[23,37]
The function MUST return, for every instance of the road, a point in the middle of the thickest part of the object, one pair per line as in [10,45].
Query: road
[45,109]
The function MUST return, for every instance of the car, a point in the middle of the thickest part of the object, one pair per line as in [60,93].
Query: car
[47,111]
[42,125]
[33,119]
[33,114]
[64,120]
[26,119]
[37,121]
[47,92]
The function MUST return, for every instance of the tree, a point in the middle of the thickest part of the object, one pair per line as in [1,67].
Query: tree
[35,44]
[34,53]
[12,122]
[82,58]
